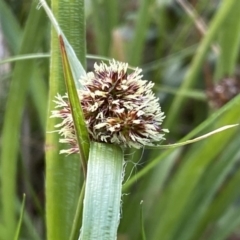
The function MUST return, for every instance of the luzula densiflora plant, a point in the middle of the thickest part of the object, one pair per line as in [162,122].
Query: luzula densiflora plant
[119,108]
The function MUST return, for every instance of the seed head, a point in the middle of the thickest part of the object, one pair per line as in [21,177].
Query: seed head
[119,108]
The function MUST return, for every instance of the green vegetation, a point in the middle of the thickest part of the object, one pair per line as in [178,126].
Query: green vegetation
[186,193]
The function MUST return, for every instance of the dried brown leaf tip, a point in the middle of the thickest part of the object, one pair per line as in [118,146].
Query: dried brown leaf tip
[119,108]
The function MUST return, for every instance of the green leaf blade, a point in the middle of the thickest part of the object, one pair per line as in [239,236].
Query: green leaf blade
[22,73]
[103,192]
[77,113]
[63,176]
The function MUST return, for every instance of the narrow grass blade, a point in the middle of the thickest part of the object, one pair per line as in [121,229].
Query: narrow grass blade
[142,22]
[25,57]
[101,211]
[104,17]
[191,94]
[39,90]
[195,139]
[77,222]
[77,113]
[142,222]
[229,41]
[22,74]
[17,234]
[75,65]
[10,27]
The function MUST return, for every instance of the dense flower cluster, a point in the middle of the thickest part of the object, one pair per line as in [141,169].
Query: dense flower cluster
[119,108]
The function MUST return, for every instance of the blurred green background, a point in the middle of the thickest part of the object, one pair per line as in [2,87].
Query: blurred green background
[190,50]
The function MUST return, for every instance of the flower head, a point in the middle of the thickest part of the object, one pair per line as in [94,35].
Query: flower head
[119,108]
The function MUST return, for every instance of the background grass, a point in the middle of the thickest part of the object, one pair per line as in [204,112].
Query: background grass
[188,193]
